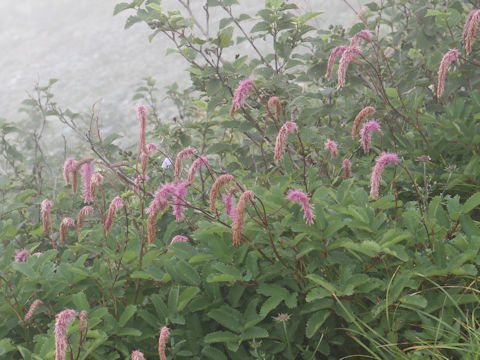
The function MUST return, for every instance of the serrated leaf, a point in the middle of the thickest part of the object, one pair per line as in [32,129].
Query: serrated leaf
[269,305]
[471,203]
[185,296]
[254,333]
[227,317]
[129,311]
[316,321]
[220,337]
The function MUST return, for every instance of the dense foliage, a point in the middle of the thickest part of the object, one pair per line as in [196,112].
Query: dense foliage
[391,275]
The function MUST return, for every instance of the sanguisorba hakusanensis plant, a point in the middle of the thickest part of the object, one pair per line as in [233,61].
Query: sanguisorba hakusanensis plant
[329,251]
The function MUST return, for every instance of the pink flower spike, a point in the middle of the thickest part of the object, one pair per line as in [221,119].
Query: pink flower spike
[178,238]
[299,197]
[470,29]
[274,102]
[116,204]
[32,309]
[160,200]
[22,255]
[334,54]
[137,355]
[68,166]
[162,342]
[382,161]
[332,147]
[66,223]
[87,171]
[82,320]
[179,202]
[62,321]
[197,164]
[186,153]
[240,95]
[346,166]
[151,148]
[287,128]
[229,203]
[348,55]
[366,134]
[448,58]
[142,117]
[46,210]
[365,35]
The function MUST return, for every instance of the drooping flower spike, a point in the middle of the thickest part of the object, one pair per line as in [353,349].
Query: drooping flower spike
[68,166]
[159,203]
[360,118]
[87,171]
[348,55]
[82,320]
[334,54]
[116,204]
[470,29]
[66,223]
[32,309]
[197,164]
[448,58]
[346,166]
[299,197]
[365,35]
[95,180]
[240,95]
[287,128]
[229,202]
[331,146]
[366,134]
[382,161]
[61,326]
[221,181]
[137,355]
[186,153]
[180,200]
[46,211]
[237,225]
[274,102]
[82,214]
[162,342]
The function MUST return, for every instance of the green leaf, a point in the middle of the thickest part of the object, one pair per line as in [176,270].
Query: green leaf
[80,301]
[322,282]
[227,317]
[129,311]
[221,336]
[316,321]
[121,7]
[254,333]
[471,203]
[129,332]
[186,295]
[416,300]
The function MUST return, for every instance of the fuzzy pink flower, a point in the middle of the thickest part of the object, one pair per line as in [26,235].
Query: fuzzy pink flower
[137,355]
[240,95]
[299,197]
[142,117]
[334,54]
[116,204]
[162,342]
[365,35]
[216,186]
[46,211]
[160,199]
[66,223]
[360,118]
[382,161]
[448,58]
[82,214]
[470,29]
[87,171]
[179,202]
[62,321]
[237,225]
[32,309]
[197,164]
[151,148]
[22,255]
[388,51]
[229,203]
[178,238]
[95,180]
[366,134]
[68,167]
[348,55]
[467,24]
[346,166]
[82,320]
[287,128]
[274,102]
[332,147]
[186,153]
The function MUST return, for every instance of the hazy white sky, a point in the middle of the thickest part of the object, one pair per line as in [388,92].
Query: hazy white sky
[83,45]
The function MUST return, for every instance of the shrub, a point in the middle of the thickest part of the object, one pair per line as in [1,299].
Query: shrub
[337,247]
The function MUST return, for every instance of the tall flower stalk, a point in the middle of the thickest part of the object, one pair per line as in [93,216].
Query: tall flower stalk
[240,217]
[382,161]
[447,59]
[287,128]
